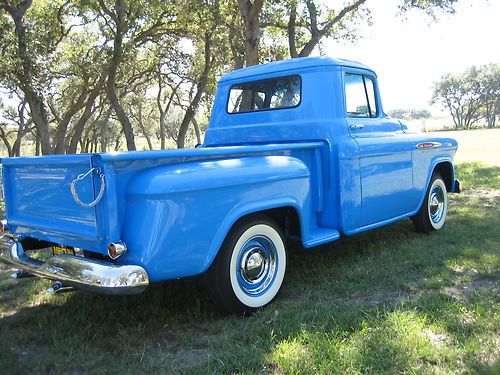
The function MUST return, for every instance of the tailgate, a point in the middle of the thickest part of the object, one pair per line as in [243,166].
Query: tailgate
[39,202]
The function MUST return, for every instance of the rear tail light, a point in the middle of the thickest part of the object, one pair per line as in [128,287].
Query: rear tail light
[115,249]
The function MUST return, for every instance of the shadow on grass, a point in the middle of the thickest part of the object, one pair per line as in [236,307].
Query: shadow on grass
[377,302]
[333,304]
[478,175]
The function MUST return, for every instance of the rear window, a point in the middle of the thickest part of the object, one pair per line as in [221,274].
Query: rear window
[274,93]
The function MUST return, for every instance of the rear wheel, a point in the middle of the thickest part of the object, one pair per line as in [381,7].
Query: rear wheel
[249,270]
[432,214]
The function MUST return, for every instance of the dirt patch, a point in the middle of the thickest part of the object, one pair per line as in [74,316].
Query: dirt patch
[483,193]
[176,358]
[437,339]
[382,296]
[462,292]
[193,358]
[488,197]
[465,290]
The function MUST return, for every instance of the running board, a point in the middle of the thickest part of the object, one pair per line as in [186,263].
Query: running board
[320,236]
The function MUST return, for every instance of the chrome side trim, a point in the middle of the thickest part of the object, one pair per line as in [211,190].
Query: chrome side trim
[357,126]
[82,273]
[424,145]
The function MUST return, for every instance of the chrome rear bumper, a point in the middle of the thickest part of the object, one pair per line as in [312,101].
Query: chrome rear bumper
[82,273]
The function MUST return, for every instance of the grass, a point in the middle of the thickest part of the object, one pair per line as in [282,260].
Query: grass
[386,301]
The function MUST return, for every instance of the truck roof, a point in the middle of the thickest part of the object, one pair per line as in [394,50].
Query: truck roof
[290,64]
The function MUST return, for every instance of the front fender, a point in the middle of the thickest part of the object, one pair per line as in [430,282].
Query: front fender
[435,162]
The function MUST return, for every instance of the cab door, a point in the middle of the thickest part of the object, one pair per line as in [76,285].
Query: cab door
[385,157]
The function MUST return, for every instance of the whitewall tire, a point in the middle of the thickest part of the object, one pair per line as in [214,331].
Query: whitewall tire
[250,268]
[432,214]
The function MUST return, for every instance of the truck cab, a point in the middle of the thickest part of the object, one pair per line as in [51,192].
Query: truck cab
[369,157]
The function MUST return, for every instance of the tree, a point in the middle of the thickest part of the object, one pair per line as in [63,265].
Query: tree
[53,68]
[209,39]
[86,72]
[304,23]
[14,127]
[317,24]
[470,96]
[429,6]
[121,20]
[489,92]
[22,68]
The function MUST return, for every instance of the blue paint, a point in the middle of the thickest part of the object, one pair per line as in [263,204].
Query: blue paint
[174,208]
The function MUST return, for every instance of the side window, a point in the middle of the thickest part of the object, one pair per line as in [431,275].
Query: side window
[360,96]
[275,93]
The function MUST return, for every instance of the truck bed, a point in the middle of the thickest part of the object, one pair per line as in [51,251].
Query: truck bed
[39,203]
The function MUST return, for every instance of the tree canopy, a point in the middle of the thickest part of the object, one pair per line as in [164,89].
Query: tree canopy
[99,75]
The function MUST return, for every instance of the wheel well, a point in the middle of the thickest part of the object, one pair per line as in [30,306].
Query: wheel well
[445,169]
[286,217]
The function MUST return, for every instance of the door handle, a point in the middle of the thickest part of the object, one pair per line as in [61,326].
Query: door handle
[357,126]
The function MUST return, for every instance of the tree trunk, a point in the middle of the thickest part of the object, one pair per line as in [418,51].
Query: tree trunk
[164,111]
[197,131]
[82,121]
[37,143]
[118,141]
[22,130]
[24,75]
[250,13]
[39,117]
[121,24]
[105,131]
[6,142]
[292,21]
[235,39]
[200,89]
[140,122]
[62,126]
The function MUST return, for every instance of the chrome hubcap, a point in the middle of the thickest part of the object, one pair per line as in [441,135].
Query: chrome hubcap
[253,264]
[257,265]
[436,204]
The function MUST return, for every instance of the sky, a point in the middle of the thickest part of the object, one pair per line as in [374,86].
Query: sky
[410,53]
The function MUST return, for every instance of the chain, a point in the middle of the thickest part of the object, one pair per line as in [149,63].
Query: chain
[81,177]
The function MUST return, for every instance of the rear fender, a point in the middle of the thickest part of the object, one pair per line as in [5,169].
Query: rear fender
[178,216]
[248,209]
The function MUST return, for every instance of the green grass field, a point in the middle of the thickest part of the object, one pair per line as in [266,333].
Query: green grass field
[386,301]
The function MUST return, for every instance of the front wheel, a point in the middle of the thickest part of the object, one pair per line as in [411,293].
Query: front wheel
[432,214]
[249,270]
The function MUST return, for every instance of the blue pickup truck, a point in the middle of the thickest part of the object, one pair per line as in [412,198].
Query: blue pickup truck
[298,149]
